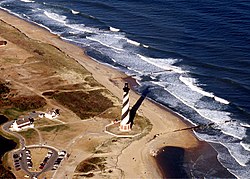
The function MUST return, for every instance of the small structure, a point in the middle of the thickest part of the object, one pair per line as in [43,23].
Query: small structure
[22,123]
[54,113]
[3,43]
[125,124]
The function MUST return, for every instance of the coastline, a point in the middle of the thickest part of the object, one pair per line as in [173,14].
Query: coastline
[135,160]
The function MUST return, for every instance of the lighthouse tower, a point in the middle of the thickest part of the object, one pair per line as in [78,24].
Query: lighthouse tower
[125,124]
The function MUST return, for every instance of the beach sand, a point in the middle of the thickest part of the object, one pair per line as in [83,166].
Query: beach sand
[136,160]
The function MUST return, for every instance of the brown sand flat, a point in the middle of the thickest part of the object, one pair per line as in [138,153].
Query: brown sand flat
[135,161]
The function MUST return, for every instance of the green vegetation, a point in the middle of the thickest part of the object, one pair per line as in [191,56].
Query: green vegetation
[55,128]
[12,113]
[25,103]
[14,106]
[4,173]
[96,160]
[31,136]
[91,164]
[28,134]
[84,104]
[142,122]
[4,88]
[49,54]
[85,167]
[89,175]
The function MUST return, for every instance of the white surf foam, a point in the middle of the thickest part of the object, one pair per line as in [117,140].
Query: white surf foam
[114,29]
[190,82]
[214,116]
[74,12]
[82,28]
[236,150]
[27,1]
[56,17]
[221,100]
[146,46]
[245,125]
[245,146]
[233,129]
[219,117]
[165,64]
[24,15]
[133,42]
[113,41]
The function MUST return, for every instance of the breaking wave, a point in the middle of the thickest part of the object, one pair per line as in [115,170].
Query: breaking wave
[75,12]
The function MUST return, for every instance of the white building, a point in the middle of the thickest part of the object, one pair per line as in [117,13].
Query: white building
[52,114]
[22,123]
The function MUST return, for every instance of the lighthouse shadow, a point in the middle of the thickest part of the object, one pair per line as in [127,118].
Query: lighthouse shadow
[137,105]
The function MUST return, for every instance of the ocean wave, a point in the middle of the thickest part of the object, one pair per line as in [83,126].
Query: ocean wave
[245,146]
[245,125]
[109,40]
[114,29]
[82,28]
[221,100]
[214,115]
[56,17]
[233,129]
[190,82]
[27,1]
[165,64]
[220,118]
[74,12]
[236,151]
[133,42]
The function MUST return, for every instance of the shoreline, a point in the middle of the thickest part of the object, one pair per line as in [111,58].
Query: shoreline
[112,79]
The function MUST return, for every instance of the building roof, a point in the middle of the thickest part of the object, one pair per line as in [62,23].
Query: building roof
[21,121]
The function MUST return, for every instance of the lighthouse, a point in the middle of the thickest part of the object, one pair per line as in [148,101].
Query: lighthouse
[125,123]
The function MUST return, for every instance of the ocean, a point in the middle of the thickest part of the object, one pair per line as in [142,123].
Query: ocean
[193,55]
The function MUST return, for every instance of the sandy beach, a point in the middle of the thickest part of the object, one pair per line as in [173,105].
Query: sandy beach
[136,160]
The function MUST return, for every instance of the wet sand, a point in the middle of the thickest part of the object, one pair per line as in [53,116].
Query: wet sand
[199,162]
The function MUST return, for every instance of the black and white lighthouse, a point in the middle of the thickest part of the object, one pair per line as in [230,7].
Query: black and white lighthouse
[125,124]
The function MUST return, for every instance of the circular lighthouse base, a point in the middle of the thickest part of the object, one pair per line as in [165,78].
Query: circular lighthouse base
[125,128]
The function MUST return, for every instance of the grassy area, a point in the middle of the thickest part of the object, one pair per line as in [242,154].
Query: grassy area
[142,123]
[4,173]
[44,122]
[55,128]
[12,113]
[30,136]
[91,164]
[25,103]
[37,155]
[4,88]
[112,113]
[84,104]
[50,55]
[14,106]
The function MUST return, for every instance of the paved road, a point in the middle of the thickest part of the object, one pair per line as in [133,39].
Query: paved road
[22,151]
